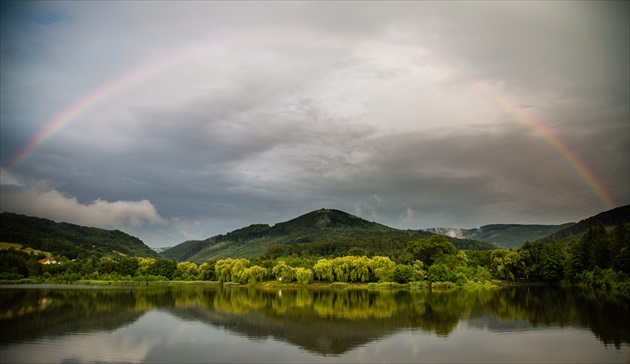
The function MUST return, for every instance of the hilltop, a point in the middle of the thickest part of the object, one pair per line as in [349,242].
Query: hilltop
[69,240]
[321,232]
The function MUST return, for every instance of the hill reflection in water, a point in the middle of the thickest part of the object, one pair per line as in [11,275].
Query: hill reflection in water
[321,322]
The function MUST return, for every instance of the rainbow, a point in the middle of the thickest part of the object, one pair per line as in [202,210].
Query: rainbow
[153,68]
[538,126]
[94,97]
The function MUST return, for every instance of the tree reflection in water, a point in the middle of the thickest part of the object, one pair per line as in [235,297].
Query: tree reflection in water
[324,322]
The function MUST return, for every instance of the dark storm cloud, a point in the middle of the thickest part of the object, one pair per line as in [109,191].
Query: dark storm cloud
[412,114]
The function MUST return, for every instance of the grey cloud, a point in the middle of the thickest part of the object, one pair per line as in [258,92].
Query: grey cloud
[38,199]
[402,112]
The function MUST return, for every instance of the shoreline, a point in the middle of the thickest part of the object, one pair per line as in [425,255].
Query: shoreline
[267,285]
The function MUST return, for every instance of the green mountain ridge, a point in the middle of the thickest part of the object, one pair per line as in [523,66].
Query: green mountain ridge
[323,232]
[69,240]
[503,235]
[607,219]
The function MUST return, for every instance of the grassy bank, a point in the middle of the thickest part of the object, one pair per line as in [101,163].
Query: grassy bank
[274,285]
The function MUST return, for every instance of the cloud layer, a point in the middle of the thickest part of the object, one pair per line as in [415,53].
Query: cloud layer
[413,114]
[39,199]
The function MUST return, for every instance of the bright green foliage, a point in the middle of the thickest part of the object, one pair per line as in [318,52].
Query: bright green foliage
[361,269]
[382,268]
[324,270]
[187,271]
[430,249]
[304,276]
[282,270]
[238,268]
[354,269]
[143,266]
[230,270]
[252,275]
[206,272]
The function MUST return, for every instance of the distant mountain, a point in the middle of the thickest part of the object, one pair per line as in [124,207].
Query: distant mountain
[320,232]
[607,219]
[69,240]
[503,235]
[161,249]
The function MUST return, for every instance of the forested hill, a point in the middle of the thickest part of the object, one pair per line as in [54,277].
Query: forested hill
[324,232]
[69,240]
[504,235]
[607,219]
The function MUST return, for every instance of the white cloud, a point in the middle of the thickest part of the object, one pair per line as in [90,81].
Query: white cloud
[39,199]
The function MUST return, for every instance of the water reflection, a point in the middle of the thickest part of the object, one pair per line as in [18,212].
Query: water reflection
[130,324]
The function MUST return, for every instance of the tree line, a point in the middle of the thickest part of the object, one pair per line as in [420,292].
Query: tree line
[599,258]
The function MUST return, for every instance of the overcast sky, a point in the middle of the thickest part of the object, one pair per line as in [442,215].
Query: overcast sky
[184,120]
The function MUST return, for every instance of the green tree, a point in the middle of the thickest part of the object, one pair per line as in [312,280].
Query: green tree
[283,272]
[429,250]
[382,268]
[597,242]
[552,258]
[620,247]
[576,260]
[439,272]
[143,266]
[252,275]
[324,270]
[163,267]
[418,270]
[206,272]
[506,263]
[304,275]
[403,273]
[127,266]
[187,271]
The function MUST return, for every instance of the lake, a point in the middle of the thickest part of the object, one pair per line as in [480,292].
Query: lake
[74,324]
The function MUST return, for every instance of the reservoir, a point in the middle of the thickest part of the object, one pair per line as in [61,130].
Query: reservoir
[173,324]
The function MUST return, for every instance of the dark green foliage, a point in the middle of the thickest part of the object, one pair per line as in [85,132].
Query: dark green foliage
[551,262]
[478,258]
[403,273]
[470,244]
[514,235]
[69,240]
[325,233]
[607,219]
[620,248]
[164,268]
[187,249]
[17,264]
[503,235]
[429,250]
[439,273]
[127,266]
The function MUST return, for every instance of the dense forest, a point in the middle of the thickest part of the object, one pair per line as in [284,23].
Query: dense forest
[69,240]
[323,232]
[599,257]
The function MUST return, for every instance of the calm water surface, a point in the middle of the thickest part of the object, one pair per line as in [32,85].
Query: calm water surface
[62,324]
